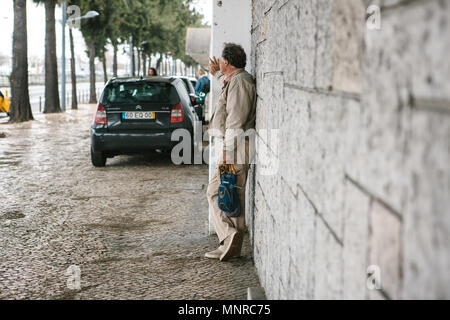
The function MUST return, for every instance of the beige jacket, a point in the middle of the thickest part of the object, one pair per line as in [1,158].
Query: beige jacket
[234,113]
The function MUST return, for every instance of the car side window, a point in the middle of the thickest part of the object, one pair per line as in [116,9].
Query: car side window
[183,91]
[191,87]
[186,85]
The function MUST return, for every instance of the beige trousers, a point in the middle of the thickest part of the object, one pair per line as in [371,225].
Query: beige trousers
[224,225]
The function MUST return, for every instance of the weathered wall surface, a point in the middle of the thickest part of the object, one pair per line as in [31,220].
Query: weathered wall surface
[364,149]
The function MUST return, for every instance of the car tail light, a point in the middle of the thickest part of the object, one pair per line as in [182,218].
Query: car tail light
[193,99]
[100,116]
[177,114]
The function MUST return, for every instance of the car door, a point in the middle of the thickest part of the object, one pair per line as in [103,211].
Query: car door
[187,105]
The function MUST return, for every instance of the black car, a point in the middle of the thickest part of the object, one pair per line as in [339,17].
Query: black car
[136,115]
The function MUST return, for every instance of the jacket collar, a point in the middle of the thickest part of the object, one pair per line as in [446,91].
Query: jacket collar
[236,73]
[228,78]
[224,85]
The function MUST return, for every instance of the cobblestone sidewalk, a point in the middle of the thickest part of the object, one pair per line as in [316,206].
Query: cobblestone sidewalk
[136,229]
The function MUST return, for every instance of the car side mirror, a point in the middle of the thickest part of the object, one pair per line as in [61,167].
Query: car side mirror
[195,100]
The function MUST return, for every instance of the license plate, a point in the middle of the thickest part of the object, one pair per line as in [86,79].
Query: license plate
[138,115]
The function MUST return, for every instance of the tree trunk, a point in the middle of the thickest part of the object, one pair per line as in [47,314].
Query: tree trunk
[73,74]
[132,58]
[168,66]
[139,63]
[158,62]
[20,100]
[144,64]
[165,64]
[134,63]
[52,103]
[105,75]
[115,61]
[93,95]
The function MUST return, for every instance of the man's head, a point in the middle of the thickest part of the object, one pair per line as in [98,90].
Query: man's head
[233,57]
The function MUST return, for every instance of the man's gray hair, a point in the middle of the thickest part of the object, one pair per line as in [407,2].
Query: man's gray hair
[235,55]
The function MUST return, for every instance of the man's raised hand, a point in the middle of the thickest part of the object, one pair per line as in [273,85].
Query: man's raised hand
[213,65]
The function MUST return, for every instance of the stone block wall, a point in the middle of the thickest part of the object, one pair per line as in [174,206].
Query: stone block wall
[363,120]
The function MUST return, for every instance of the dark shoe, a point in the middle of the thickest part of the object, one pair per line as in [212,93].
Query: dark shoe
[232,246]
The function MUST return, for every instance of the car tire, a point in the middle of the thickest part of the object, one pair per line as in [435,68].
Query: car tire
[98,158]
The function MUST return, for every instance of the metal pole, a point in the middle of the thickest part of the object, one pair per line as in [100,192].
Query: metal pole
[63,57]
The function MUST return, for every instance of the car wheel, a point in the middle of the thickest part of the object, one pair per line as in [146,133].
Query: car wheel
[98,158]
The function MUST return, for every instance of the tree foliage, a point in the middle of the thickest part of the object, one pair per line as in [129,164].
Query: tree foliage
[156,26]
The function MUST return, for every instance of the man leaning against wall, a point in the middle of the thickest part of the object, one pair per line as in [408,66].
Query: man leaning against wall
[234,114]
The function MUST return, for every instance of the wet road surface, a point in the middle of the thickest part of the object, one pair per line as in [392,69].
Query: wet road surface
[136,229]
[37,94]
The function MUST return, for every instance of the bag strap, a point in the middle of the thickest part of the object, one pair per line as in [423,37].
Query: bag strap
[226,168]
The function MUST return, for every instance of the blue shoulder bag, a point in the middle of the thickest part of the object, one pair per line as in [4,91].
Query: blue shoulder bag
[228,196]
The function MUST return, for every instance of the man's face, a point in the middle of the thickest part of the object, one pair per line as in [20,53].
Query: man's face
[223,64]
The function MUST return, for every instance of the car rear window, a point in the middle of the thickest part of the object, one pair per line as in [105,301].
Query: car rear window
[157,92]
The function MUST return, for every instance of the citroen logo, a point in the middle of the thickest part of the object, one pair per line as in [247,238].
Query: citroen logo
[138,107]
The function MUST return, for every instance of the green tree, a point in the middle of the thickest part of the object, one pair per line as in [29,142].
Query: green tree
[153,27]
[114,29]
[94,34]
[158,27]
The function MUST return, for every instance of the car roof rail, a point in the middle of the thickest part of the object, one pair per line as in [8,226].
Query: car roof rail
[112,80]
